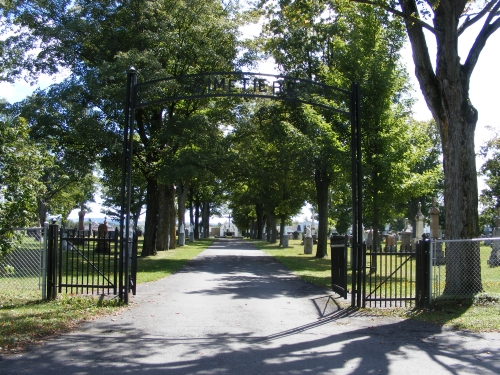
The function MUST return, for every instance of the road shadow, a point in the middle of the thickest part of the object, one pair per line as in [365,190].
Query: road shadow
[371,349]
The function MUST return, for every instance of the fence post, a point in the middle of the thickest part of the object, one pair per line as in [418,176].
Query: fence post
[52,242]
[133,276]
[338,257]
[432,256]
[44,261]
[428,273]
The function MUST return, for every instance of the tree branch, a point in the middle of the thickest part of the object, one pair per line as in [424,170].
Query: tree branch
[408,18]
[423,65]
[470,21]
[480,42]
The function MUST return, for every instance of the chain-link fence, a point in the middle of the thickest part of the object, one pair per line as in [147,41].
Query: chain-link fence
[465,268]
[21,270]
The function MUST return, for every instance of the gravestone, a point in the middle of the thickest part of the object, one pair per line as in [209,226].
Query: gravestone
[439,256]
[494,259]
[487,234]
[369,240]
[103,245]
[419,223]
[390,243]
[434,217]
[81,220]
[308,241]
[406,238]
[284,240]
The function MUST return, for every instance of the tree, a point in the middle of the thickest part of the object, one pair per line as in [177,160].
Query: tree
[295,35]
[111,180]
[275,165]
[426,170]
[339,43]
[446,91]
[71,137]
[98,41]
[490,196]
[20,170]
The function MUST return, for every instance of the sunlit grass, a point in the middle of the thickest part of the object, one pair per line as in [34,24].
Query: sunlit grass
[167,262]
[314,270]
[30,323]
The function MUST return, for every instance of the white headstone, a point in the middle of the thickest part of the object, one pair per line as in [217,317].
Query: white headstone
[419,219]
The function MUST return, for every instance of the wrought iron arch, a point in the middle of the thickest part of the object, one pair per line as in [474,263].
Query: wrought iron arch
[241,85]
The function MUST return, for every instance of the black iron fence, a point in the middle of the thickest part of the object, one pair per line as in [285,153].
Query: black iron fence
[382,277]
[88,262]
[397,278]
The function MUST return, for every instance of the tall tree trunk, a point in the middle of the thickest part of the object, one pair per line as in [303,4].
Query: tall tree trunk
[135,217]
[282,229]
[252,228]
[205,219]
[463,266]
[268,228]
[182,192]
[172,216]
[197,218]
[42,211]
[446,93]
[271,227]
[149,244]
[260,221]
[191,208]
[165,223]
[322,181]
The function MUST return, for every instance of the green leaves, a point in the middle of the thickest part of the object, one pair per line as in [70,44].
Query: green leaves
[20,171]
[273,162]
[490,196]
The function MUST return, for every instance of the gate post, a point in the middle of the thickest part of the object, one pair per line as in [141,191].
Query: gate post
[422,281]
[133,266]
[359,248]
[338,258]
[126,187]
[52,245]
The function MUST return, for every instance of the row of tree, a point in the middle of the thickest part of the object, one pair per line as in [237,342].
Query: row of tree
[275,156]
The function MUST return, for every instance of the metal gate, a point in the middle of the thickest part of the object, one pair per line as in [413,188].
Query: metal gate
[397,278]
[338,257]
[84,262]
[377,278]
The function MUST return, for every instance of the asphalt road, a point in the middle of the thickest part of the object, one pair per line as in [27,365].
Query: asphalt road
[235,310]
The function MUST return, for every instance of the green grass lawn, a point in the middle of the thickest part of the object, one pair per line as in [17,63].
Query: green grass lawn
[25,319]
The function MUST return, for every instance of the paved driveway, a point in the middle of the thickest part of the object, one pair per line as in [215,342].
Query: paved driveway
[235,310]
